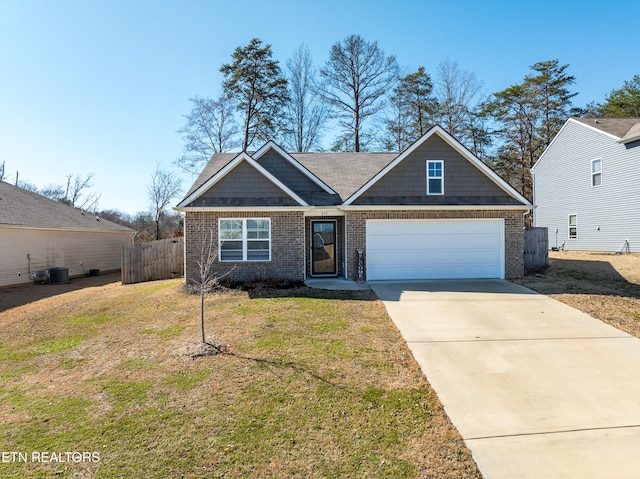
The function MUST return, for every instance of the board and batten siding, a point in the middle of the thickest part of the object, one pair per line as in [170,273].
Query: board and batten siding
[58,248]
[607,215]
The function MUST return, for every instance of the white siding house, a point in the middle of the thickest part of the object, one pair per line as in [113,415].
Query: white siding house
[587,185]
[37,233]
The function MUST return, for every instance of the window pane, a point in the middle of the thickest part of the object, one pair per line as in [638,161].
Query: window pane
[231,251]
[596,166]
[257,250]
[572,220]
[435,169]
[258,229]
[596,179]
[435,186]
[230,229]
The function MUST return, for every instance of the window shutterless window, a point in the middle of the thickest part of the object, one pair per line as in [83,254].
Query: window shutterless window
[573,226]
[596,172]
[244,239]
[435,177]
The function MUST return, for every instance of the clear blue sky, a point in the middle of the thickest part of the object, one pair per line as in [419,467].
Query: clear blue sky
[101,86]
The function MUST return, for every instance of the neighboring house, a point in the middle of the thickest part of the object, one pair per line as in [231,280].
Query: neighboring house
[37,233]
[587,185]
[433,211]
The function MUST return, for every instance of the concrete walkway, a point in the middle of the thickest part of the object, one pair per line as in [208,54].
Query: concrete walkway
[537,389]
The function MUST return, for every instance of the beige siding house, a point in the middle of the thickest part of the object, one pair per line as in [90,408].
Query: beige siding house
[37,233]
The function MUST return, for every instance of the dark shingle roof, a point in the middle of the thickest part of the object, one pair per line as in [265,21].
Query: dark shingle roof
[617,127]
[215,164]
[19,207]
[345,173]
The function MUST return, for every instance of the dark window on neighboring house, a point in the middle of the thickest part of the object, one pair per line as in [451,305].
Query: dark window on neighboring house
[435,177]
[244,239]
[596,172]
[573,226]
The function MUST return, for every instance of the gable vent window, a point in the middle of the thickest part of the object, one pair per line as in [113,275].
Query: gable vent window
[435,177]
[596,172]
[244,239]
[573,226]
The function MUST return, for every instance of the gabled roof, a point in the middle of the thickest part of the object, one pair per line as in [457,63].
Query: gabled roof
[296,164]
[437,130]
[196,191]
[346,176]
[615,127]
[22,208]
[622,130]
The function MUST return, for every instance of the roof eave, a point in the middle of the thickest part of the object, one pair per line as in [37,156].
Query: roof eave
[436,207]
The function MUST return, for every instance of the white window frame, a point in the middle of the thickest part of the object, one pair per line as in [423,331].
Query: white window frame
[441,177]
[595,173]
[246,241]
[574,226]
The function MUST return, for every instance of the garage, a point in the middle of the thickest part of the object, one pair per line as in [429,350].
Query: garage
[435,249]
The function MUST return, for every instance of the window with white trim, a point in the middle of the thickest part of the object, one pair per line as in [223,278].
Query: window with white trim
[244,239]
[573,226]
[596,172]
[435,177]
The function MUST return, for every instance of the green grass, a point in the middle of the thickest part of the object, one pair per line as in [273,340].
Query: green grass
[313,387]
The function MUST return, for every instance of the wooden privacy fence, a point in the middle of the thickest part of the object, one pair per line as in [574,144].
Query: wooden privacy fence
[536,248]
[162,259]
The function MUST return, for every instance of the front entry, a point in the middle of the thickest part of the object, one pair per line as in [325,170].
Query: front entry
[323,248]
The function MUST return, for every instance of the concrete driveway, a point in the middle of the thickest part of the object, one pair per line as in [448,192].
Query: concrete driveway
[537,389]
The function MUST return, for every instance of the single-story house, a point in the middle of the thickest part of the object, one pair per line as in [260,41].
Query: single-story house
[587,184]
[37,234]
[433,211]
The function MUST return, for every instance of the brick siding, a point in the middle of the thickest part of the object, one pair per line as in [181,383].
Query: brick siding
[287,246]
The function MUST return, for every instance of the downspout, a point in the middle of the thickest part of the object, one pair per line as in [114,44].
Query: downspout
[346,252]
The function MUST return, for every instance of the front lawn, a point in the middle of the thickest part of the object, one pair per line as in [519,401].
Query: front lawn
[98,383]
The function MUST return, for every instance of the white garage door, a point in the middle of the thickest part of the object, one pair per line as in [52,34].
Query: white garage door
[425,249]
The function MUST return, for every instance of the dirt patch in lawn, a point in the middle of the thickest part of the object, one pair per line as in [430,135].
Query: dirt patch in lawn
[603,285]
[314,384]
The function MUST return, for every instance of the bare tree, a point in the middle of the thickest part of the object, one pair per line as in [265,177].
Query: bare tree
[75,192]
[207,277]
[2,174]
[357,76]
[306,112]
[210,128]
[456,91]
[163,188]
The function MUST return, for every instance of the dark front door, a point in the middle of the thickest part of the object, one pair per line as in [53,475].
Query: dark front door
[323,248]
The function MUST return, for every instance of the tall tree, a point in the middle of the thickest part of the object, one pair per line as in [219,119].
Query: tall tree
[163,188]
[528,116]
[456,92]
[255,82]
[306,112]
[625,101]
[413,105]
[357,76]
[550,87]
[517,113]
[210,128]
